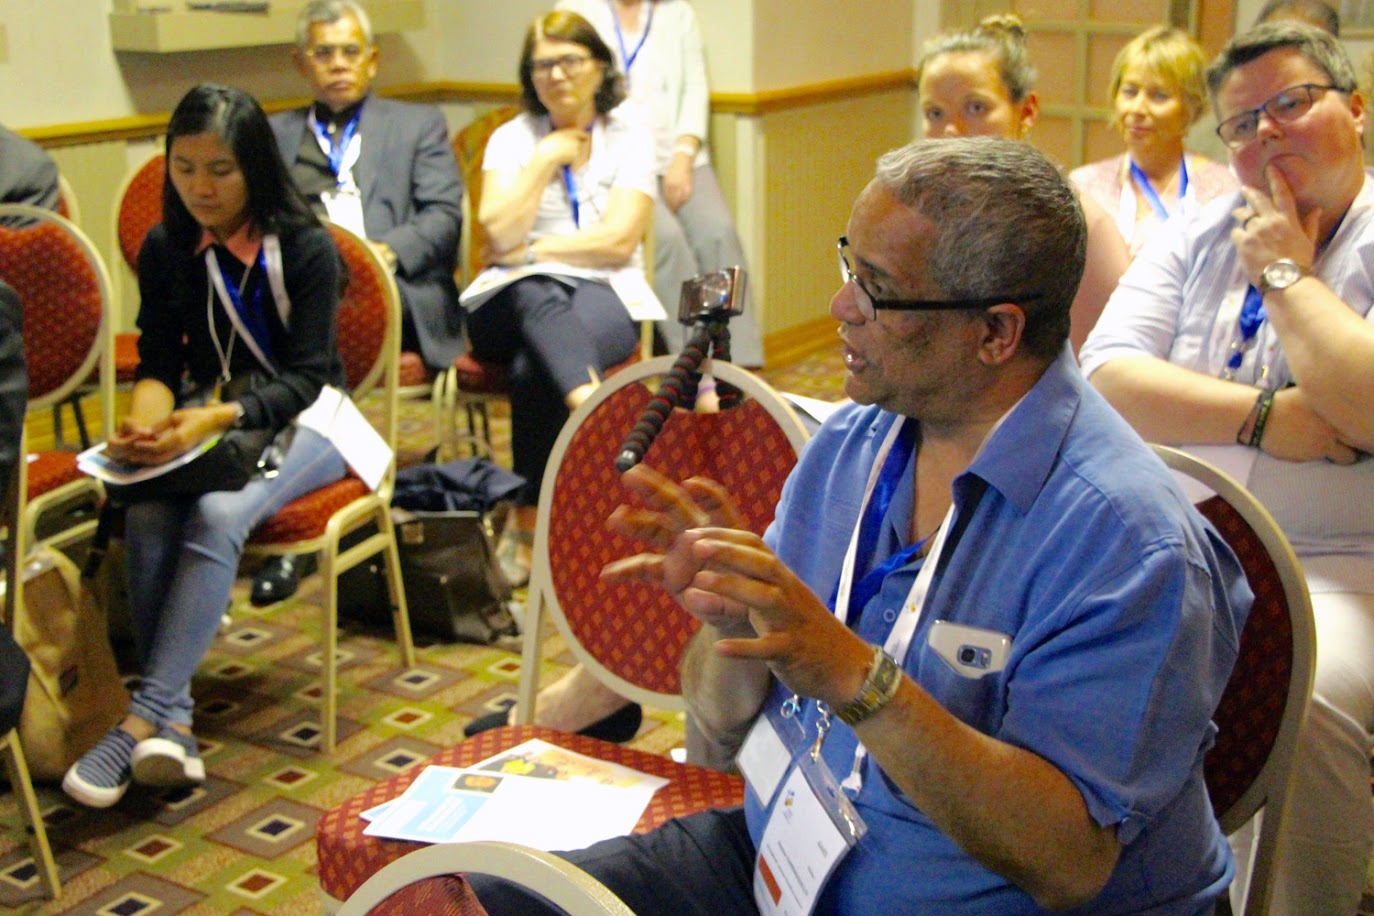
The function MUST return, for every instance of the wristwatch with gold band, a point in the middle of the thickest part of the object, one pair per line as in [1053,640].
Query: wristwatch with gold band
[884,677]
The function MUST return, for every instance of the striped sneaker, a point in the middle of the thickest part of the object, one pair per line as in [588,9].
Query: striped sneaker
[100,778]
[169,759]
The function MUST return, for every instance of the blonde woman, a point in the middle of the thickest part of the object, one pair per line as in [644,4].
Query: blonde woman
[1157,93]
[980,82]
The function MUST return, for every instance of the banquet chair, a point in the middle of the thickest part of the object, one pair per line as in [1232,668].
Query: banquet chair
[65,291]
[630,635]
[369,333]
[557,881]
[137,209]
[1261,711]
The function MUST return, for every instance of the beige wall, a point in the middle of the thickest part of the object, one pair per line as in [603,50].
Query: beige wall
[790,174]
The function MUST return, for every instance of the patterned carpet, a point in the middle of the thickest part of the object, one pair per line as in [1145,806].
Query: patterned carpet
[243,842]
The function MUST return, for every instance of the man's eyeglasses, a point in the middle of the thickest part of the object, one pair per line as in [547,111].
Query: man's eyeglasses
[869,304]
[324,54]
[1289,105]
[570,64]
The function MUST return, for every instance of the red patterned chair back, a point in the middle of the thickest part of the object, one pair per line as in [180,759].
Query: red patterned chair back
[363,319]
[138,207]
[1261,710]
[65,292]
[633,634]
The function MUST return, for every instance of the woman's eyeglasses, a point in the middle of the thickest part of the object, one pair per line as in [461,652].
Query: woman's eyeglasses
[570,64]
[1288,105]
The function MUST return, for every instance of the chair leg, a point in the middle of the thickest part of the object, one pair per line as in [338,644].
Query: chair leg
[329,663]
[23,787]
[400,613]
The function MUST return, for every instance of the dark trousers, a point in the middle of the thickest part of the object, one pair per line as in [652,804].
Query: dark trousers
[549,335]
[699,865]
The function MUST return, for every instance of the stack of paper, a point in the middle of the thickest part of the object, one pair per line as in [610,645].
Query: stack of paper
[535,794]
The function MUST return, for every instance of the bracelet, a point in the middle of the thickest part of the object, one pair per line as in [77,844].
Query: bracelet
[1262,405]
[686,149]
[529,254]
[1252,430]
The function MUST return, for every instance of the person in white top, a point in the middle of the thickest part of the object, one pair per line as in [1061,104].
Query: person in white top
[658,47]
[1158,93]
[1249,332]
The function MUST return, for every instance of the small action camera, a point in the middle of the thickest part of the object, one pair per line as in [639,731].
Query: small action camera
[718,294]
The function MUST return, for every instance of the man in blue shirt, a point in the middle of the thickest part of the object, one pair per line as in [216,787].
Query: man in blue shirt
[979,578]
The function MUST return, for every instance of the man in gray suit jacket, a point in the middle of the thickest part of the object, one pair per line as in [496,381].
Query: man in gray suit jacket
[27,173]
[379,167]
[383,169]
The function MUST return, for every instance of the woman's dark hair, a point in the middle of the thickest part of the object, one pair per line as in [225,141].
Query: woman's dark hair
[274,204]
[564,26]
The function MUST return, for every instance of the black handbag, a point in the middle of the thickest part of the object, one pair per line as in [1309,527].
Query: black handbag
[455,589]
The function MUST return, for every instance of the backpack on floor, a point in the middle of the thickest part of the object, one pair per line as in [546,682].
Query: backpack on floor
[74,694]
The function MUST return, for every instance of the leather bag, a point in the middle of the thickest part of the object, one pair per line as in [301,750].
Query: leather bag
[74,691]
[455,589]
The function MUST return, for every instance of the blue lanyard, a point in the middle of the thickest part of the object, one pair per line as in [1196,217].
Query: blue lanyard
[570,183]
[883,489]
[251,312]
[1143,181]
[1252,315]
[338,146]
[571,187]
[629,56]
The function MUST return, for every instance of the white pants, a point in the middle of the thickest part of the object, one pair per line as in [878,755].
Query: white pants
[1330,828]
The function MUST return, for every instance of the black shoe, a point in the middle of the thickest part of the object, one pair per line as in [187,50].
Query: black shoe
[486,723]
[279,578]
[619,727]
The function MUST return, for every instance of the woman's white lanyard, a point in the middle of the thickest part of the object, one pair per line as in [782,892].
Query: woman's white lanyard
[271,248]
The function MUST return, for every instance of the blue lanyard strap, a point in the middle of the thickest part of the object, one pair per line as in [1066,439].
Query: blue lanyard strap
[629,56]
[340,141]
[883,489]
[1151,195]
[1252,315]
[251,312]
[571,185]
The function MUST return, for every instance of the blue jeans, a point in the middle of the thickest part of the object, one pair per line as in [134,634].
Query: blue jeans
[182,556]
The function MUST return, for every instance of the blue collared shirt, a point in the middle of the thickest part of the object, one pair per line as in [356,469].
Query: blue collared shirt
[1123,607]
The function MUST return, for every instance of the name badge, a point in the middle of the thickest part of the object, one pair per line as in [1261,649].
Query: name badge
[811,828]
[345,207]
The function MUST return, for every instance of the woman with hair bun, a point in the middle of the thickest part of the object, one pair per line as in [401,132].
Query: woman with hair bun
[980,82]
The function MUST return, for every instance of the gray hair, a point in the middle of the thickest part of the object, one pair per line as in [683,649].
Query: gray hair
[1319,47]
[1007,225]
[328,11]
